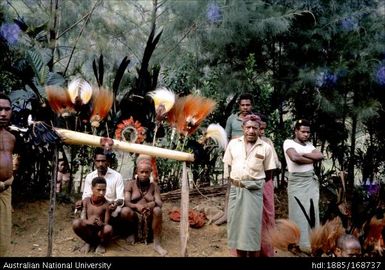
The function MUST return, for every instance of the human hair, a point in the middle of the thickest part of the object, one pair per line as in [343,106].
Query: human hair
[263,117]
[98,180]
[253,118]
[245,96]
[4,96]
[99,151]
[301,123]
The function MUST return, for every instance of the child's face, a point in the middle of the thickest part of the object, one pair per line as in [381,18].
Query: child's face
[99,190]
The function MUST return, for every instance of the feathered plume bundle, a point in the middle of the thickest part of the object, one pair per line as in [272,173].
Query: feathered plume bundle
[101,104]
[80,92]
[217,133]
[324,238]
[164,100]
[373,234]
[189,112]
[286,234]
[59,100]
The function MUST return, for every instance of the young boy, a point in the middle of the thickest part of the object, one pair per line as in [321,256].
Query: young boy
[93,225]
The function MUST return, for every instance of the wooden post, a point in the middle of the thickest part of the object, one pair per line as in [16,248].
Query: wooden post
[52,202]
[184,223]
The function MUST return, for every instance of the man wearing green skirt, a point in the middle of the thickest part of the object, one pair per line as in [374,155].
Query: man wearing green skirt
[250,161]
[303,185]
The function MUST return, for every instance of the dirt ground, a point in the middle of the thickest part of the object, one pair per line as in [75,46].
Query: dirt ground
[29,233]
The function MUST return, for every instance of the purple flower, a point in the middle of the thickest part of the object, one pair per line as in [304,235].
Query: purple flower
[380,75]
[349,24]
[326,79]
[213,13]
[10,32]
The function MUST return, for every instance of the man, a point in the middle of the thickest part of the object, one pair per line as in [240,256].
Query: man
[114,189]
[303,184]
[93,226]
[7,144]
[143,200]
[268,216]
[250,162]
[234,130]
[234,122]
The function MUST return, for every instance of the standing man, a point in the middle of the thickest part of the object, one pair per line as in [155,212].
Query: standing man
[114,189]
[234,130]
[268,216]
[250,162]
[234,122]
[303,184]
[7,144]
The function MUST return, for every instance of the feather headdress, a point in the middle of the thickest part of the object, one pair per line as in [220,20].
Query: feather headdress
[323,239]
[80,91]
[284,235]
[164,100]
[217,133]
[59,100]
[101,104]
[189,112]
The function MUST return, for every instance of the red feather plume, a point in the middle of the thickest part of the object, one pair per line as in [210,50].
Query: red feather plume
[59,100]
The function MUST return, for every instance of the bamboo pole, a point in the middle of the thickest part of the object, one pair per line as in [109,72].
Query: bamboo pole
[184,223]
[78,138]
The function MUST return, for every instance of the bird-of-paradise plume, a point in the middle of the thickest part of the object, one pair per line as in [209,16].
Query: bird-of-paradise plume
[101,104]
[59,100]
[285,235]
[80,91]
[217,133]
[164,100]
[323,239]
[373,238]
[189,112]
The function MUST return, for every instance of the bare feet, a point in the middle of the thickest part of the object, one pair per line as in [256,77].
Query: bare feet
[130,239]
[100,249]
[86,248]
[160,250]
[221,220]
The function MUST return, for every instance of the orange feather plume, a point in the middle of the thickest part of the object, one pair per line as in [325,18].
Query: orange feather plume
[373,237]
[285,234]
[189,112]
[101,105]
[59,100]
[324,238]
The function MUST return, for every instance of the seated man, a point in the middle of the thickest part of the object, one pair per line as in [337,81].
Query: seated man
[93,225]
[143,200]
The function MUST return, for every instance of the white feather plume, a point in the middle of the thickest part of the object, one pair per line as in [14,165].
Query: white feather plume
[80,88]
[218,134]
[163,96]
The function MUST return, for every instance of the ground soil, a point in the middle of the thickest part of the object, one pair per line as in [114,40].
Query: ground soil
[30,227]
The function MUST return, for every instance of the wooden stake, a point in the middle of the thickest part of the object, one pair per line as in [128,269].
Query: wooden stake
[184,223]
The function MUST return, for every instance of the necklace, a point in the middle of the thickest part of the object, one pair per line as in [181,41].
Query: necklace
[143,189]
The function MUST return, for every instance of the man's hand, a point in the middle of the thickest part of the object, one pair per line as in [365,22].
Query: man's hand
[79,205]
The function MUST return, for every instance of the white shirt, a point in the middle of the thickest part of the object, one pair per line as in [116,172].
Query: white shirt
[114,188]
[248,165]
[301,149]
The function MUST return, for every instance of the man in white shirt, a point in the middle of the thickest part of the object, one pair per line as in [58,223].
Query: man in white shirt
[114,189]
[303,184]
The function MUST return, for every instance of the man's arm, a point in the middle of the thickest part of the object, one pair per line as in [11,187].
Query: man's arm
[228,127]
[87,192]
[315,155]
[298,158]
[120,188]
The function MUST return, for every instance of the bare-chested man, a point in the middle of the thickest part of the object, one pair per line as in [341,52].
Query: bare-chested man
[93,225]
[143,198]
[7,144]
